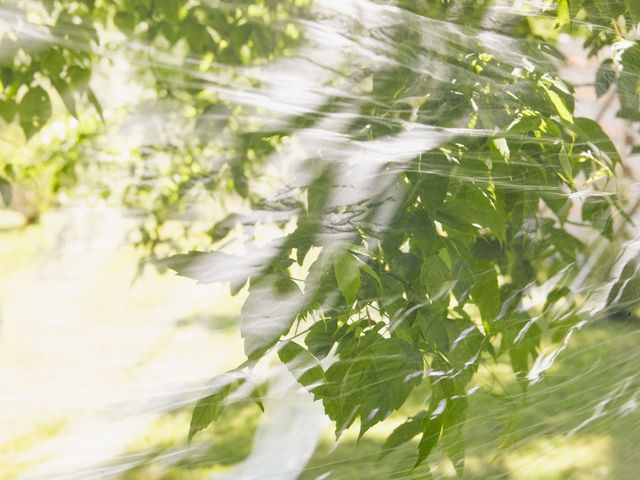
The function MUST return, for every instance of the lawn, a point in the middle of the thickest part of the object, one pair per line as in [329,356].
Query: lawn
[580,422]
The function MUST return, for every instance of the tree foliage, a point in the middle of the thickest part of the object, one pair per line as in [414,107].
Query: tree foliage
[424,234]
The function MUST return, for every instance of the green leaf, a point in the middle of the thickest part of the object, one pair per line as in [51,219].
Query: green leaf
[406,265]
[565,244]
[628,83]
[369,271]
[525,124]
[208,409]
[565,163]
[403,433]
[605,77]
[500,148]
[395,369]
[466,346]
[563,13]
[347,272]
[318,193]
[522,339]
[559,105]
[431,431]
[435,276]
[302,365]
[53,62]
[555,295]
[78,77]
[486,294]
[432,322]
[625,293]
[34,110]
[434,172]
[472,206]
[125,21]
[373,377]
[8,109]
[590,132]
[574,7]
[67,96]
[95,102]
[6,191]
[258,393]
[597,211]
[320,338]
[302,239]
[453,433]
[633,10]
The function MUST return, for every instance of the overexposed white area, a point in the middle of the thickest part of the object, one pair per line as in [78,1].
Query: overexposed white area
[85,344]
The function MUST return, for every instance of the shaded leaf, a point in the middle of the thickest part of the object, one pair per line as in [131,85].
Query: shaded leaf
[320,338]
[434,181]
[403,433]
[591,132]
[373,378]
[208,409]
[6,191]
[34,110]
[597,211]
[431,428]
[347,272]
[453,432]
[95,102]
[302,365]
[435,277]
[605,77]
[8,109]
[486,294]
[472,207]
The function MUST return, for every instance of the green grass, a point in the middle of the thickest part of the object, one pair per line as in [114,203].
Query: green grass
[508,435]
[14,459]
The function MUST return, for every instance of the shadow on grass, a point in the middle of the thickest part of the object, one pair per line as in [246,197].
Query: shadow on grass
[580,422]
[210,322]
[14,459]
[166,455]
